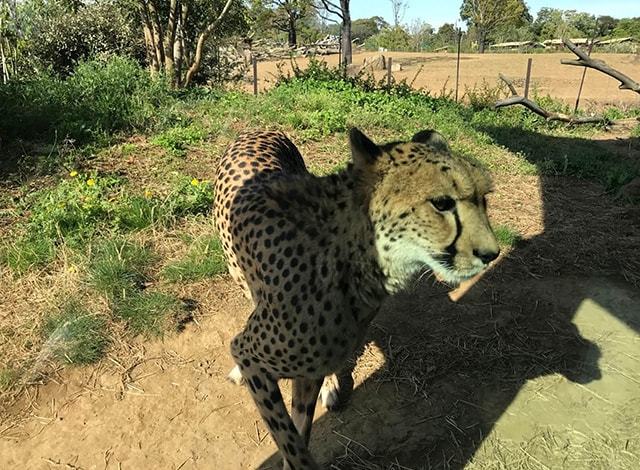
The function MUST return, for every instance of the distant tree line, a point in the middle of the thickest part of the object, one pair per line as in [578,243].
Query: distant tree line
[179,38]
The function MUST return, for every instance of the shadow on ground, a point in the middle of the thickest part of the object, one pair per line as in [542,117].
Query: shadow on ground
[452,369]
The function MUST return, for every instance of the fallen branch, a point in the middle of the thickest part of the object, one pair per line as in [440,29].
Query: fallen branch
[548,115]
[626,83]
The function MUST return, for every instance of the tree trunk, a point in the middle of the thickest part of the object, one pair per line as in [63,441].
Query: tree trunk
[345,33]
[197,57]
[293,36]
[482,37]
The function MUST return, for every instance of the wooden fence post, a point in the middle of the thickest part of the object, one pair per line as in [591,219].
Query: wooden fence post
[527,79]
[255,75]
[389,62]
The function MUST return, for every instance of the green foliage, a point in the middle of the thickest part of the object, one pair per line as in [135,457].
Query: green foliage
[147,313]
[488,15]
[205,259]
[177,139]
[118,267]
[190,196]
[76,336]
[393,39]
[364,28]
[627,27]
[100,97]
[72,209]
[59,38]
[507,236]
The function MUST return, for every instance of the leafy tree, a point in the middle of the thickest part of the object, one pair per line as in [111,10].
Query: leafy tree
[364,28]
[421,34]
[582,24]
[445,36]
[606,25]
[394,39]
[176,33]
[57,35]
[487,15]
[286,15]
[627,27]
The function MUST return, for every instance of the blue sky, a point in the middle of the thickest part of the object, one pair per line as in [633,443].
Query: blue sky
[437,12]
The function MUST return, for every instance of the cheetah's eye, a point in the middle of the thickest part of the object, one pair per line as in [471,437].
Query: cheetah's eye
[443,204]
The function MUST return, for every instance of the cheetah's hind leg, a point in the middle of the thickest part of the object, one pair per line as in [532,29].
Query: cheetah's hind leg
[336,389]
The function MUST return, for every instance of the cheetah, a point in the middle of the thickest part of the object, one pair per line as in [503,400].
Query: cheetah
[318,255]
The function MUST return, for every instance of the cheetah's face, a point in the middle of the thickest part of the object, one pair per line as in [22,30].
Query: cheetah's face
[428,208]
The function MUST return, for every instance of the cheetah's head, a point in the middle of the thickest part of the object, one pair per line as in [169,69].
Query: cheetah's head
[428,208]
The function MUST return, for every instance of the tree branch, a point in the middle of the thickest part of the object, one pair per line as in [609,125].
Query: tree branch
[197,58]
[626,83]
[548,115]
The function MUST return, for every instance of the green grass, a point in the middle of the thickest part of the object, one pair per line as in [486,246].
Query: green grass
[27,252]
[75,335]
[205,259]
[177,140]
[148,313]
[507,236]
[118,267]
[8,377]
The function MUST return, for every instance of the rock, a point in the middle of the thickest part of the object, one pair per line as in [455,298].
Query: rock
[376,62]
[396,67]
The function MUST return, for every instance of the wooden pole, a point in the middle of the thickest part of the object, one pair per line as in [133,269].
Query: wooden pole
[255,75]
[527,79]
[389,62]
[584,73]
[458,63]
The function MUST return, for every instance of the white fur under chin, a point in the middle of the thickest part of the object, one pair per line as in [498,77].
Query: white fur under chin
[235,376]
[404,260]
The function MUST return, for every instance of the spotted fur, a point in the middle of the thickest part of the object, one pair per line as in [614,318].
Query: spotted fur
[318,255]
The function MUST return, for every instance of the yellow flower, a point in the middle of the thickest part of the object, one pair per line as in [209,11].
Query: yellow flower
[73,173]
[195,182]
[91,182]
[147,194]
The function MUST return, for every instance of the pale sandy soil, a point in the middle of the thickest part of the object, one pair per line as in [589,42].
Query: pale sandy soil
[548,76]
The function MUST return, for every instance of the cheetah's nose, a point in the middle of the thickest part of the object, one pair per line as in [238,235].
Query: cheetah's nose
[487,256]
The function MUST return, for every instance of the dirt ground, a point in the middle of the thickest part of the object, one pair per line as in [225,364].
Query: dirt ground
[548,76]
[535,366]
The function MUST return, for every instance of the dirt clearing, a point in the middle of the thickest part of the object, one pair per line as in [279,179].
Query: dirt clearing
[536,366]
[437,73]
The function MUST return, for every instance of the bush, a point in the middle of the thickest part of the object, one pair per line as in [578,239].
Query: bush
[100,97]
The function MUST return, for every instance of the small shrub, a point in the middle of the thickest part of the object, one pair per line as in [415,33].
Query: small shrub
[75,335]
[148,313]
[73,209]
[484,95]
[99,98]
[507,236]
[118,267]
[205,259]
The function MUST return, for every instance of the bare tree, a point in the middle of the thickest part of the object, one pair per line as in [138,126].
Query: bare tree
[341,11]
[168,49]
[287,15]
[399,8]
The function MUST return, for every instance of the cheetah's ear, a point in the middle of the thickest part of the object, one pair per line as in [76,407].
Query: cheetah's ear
[432,138]
[362,148]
